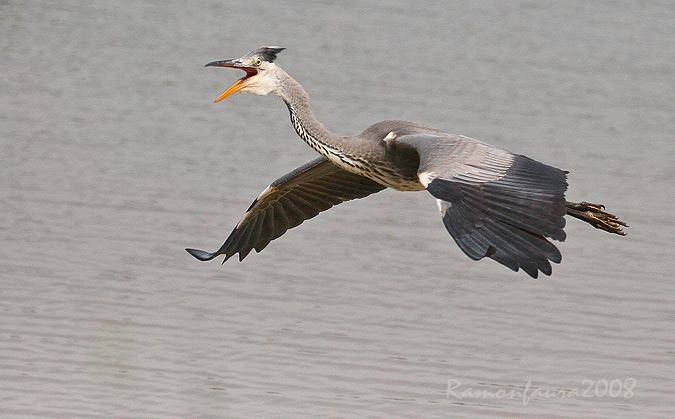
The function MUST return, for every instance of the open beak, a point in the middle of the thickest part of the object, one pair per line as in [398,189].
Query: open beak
[237,85]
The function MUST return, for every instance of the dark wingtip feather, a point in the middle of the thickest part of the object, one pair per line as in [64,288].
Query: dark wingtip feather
[201,255]
[508,219]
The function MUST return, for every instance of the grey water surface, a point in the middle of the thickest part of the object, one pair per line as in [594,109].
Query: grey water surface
[113,159]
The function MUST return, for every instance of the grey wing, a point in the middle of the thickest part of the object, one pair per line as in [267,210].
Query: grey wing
[293,198]
[494,203]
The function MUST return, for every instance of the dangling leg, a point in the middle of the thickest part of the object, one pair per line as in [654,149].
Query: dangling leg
[595,215]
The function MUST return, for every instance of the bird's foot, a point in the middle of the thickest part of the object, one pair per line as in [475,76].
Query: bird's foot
[595,215]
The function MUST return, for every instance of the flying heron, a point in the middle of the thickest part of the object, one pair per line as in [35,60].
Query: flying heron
[493,203]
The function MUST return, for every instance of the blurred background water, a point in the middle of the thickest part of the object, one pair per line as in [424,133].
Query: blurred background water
[113,158]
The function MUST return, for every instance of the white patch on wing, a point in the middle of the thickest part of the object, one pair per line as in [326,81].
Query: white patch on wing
[251,212]
[427,177]
[390,137]
[443,206]
[265,192]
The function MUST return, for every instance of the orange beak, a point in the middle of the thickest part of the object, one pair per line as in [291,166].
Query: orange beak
[237,85]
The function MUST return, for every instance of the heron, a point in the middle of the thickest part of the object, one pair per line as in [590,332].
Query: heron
[494,203]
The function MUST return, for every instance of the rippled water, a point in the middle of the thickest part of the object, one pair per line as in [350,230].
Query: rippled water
[114,158]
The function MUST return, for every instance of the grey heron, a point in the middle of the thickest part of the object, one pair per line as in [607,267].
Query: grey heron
[493,203]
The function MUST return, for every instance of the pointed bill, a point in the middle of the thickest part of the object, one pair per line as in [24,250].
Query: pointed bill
[239,84]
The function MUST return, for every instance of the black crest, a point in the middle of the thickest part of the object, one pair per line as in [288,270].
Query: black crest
[268,54]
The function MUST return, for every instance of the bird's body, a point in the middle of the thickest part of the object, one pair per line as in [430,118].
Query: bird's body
[369,154]
[494,203]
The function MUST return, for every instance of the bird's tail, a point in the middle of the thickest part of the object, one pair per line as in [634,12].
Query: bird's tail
[595,215]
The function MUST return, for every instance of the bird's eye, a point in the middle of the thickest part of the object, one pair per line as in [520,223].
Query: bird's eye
[258,61]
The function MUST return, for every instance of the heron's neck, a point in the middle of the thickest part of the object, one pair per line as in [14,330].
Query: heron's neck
[306,125]
[365,156]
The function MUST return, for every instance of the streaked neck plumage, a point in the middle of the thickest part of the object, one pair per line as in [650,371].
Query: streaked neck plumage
[305,123]
[365,155]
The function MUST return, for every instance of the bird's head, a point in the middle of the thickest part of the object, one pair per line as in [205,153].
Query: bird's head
[258,65]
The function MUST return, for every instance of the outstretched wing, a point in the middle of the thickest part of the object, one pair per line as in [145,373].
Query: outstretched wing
[494,203]
[293,198]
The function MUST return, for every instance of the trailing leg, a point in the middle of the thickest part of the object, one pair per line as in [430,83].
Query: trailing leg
[595,215]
